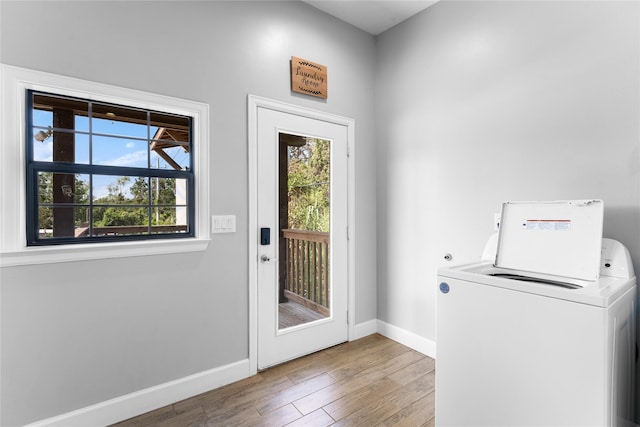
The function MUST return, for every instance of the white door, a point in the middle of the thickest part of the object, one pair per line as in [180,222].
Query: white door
[302,276]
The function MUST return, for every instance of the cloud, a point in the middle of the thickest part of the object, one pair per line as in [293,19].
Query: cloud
[137,158]
[43,151]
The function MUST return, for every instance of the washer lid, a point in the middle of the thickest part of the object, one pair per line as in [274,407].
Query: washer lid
[561,238]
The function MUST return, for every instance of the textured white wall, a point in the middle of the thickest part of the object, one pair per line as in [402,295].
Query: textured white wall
[481,102]
[80,333]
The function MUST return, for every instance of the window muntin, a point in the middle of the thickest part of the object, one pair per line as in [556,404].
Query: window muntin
[98,172]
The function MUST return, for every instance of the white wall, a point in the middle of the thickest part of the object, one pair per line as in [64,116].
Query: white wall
[482,102]
[80,333]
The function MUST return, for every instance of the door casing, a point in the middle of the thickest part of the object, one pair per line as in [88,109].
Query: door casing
[253,104]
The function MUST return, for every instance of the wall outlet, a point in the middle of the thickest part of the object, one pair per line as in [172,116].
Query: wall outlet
[496,221]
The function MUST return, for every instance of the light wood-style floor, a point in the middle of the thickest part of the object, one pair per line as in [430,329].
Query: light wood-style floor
[372,381]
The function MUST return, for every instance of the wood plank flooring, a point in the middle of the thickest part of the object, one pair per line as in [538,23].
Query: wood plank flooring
[373,381]
[293,314]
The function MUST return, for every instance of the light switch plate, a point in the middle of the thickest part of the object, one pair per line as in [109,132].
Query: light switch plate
[223,224]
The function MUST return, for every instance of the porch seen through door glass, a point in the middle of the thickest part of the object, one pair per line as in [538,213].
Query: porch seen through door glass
[304,224]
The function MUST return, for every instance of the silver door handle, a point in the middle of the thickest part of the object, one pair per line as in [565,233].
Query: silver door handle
[265,258]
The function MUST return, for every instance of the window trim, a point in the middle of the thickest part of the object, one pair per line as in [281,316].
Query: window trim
[15,82]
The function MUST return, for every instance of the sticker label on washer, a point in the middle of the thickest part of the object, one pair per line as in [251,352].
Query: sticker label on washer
[547,224]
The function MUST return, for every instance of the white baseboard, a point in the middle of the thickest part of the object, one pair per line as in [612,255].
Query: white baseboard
[411,340]
[140,402]
[362,330]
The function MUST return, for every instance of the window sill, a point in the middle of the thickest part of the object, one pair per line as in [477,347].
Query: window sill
[70,253]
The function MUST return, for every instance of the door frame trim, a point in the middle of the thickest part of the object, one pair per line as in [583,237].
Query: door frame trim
[253,103]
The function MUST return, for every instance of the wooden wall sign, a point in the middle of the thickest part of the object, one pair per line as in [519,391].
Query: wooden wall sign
[308,77]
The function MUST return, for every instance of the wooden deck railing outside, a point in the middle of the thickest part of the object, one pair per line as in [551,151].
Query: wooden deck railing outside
[307,267]
[121,230]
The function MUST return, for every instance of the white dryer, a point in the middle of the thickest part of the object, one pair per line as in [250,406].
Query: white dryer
[525,348]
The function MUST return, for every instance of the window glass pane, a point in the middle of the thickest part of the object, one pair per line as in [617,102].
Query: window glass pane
[169,156]
[82,124]
[171,122]
[120,221]
[42,119]
[42,146]
[181,191]
[139,190]
[171,145]
[62,188]
[82,149]
[163,191]
[45,187]
[62,146]
[166,220]
[81,190]
[100,187]
[56,111]
[120,190]
[45,222]
[115,151]
[169,197]
[181,202]
[119,128]
[62,221]
[118,120]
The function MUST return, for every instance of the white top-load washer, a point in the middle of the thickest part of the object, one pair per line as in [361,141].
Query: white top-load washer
[537,333]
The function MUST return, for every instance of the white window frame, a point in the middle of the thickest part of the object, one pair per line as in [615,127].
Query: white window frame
[15,82]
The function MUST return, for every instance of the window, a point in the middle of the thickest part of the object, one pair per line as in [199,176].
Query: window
[103,172]
[91,171]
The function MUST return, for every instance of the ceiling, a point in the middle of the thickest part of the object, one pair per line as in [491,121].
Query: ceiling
[373,17]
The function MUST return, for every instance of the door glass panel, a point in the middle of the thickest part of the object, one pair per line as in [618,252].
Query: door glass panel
[304,219]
